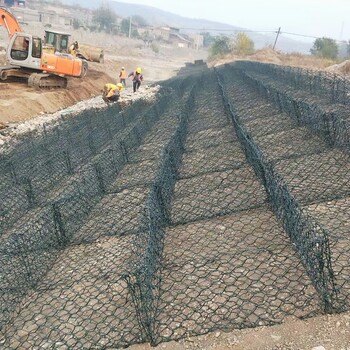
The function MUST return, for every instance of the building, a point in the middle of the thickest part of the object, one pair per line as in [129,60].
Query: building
[25,14]
[198,41]
[10,3]
[179,40]
[164,33]
[43,16]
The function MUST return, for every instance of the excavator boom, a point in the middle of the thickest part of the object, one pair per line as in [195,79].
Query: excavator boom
[9,21]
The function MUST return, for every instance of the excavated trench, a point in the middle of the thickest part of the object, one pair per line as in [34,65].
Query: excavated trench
[211,208]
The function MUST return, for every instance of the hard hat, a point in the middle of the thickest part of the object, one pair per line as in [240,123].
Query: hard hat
[120,85]
[123,68]
[138,70]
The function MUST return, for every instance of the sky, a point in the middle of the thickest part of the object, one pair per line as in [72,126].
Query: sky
[307,17]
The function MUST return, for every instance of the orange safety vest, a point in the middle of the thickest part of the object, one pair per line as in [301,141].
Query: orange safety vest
[123,74]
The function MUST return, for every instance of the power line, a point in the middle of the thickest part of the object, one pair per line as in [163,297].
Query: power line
[252,31]
[302,35]
[228,30]
[311,36]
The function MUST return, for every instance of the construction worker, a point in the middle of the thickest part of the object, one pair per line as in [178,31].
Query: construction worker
[73,49]
[123,76]
[26,44]
[136,78]
[111,92]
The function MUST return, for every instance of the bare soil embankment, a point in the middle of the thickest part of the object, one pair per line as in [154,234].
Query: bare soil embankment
[19,102]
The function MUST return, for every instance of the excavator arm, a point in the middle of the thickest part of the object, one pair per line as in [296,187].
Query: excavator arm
[9,21]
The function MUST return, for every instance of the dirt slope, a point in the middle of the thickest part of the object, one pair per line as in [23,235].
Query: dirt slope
[18,102]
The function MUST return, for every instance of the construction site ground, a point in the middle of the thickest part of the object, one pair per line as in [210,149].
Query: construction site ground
[318,333]
[20,103]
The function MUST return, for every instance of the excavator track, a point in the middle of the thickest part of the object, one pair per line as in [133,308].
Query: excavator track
[43,80]
[37,80]
[12,71]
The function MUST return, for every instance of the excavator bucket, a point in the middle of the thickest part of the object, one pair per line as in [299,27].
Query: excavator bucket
[58,42]
[91,53]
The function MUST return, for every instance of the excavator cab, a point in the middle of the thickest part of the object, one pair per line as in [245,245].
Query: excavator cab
[56,42]
[59,42]
[25,50]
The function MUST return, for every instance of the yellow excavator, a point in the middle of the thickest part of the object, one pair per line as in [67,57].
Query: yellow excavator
[27,59]
[56,41]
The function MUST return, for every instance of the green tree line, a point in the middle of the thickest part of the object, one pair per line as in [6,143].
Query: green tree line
[241,45]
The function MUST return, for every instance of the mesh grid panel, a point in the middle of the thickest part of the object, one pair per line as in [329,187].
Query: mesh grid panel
[222,204]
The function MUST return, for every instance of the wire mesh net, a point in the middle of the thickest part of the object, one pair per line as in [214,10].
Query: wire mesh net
[222,204]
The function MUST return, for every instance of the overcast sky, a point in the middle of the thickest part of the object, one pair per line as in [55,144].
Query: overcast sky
[310,17]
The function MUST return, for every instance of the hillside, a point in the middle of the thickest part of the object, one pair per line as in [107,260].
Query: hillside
[157,17]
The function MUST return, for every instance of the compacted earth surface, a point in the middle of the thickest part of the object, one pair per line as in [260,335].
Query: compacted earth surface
[317,333]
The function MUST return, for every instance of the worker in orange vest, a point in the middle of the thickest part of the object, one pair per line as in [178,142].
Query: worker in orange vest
[137,78]
[122,77]
[111,92]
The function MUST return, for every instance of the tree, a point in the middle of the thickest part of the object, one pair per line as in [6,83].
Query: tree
[155,48]
[76,23]
[221,46]
[207,39]
[139,20]
[325,48]
[125,25]
[243,45]
[105,18]
[348,48]
[135,34]
[343,49]
[146,37]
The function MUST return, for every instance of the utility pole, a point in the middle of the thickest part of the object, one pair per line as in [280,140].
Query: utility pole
[341,31]
[130,27]
[278,33]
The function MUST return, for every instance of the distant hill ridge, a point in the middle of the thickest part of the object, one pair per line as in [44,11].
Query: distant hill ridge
[157,17]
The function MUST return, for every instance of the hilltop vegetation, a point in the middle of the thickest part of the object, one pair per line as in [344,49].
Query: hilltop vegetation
[268,55]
